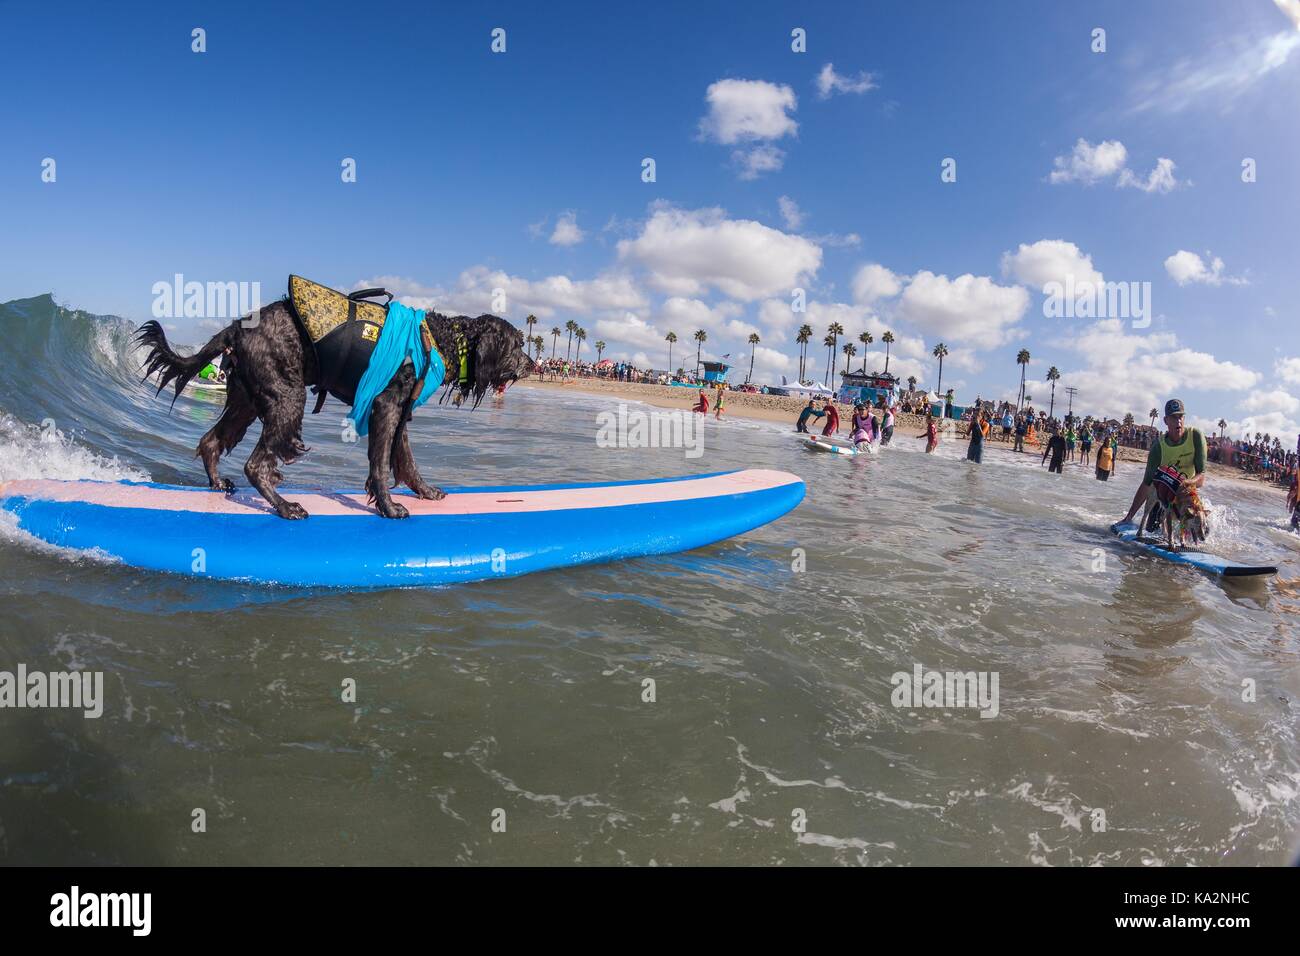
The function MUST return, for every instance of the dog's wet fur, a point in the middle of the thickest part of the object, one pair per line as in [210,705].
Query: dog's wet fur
[1183,517]
[274,363]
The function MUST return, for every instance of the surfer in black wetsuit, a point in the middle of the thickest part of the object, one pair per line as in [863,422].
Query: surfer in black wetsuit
[1056,448]
[809,412]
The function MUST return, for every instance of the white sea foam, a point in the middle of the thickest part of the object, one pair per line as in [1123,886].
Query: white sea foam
[33,451]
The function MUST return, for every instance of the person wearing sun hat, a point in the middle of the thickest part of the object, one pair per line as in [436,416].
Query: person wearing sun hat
[1177,458]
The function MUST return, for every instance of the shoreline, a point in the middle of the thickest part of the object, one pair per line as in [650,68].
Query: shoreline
[785,409]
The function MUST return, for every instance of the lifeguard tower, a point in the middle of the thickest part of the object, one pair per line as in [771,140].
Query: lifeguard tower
[715,373]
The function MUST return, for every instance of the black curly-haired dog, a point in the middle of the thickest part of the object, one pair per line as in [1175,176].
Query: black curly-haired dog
[275,361]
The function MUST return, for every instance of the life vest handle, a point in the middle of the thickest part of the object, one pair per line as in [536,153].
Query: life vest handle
[370,294]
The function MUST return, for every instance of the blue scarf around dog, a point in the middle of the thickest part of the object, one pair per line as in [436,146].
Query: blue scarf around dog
[399,340]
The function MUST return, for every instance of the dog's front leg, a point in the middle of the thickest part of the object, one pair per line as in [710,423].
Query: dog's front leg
[404,467]
[385,417]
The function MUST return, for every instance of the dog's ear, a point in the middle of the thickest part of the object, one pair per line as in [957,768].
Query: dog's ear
[492,347]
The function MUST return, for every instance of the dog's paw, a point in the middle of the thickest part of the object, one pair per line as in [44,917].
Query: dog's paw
[393,510]
[224,485]
[291,510]
[429,493]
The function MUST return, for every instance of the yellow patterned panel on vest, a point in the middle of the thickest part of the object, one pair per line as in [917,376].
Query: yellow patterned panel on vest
[322,310]
[430,346]
[370,332]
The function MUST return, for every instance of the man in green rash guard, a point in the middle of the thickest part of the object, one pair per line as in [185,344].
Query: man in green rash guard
[1180,450]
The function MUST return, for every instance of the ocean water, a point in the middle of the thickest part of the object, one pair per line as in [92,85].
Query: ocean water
[507,722]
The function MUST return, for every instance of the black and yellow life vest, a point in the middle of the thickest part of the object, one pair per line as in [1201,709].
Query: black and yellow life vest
[343,329]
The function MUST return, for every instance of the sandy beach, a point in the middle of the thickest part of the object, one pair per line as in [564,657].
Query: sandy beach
[783,408]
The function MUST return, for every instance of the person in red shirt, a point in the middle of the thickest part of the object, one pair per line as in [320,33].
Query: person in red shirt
[703,406]
[832,425]
[931,433]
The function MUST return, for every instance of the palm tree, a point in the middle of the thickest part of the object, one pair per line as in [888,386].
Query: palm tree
[1153,413]
[530,322]
[670,338]
[1022,359]
[834,331]
[1128,418]
[753,346]
[600,347]
[1223,427]
[805,334]
[829,342]
[571,327]
[911,383]
[700,338]
[540,343]
[865,339]
[939,351]
[887,338]
[555,340]
[849,351]
[582,337]
[1053,376]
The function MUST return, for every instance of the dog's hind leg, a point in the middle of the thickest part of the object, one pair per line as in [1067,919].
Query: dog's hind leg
[281,439]
[405,470]
[226,434]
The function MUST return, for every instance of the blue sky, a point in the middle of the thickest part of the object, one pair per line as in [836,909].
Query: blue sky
[521,171]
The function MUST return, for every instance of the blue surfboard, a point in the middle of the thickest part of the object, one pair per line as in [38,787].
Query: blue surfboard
[471,534]
[1211,563]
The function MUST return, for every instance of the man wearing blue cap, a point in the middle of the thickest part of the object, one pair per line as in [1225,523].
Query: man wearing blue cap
[1177,458]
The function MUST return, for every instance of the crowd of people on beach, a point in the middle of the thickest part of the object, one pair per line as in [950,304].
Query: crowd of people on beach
[562,369]
[1264,458]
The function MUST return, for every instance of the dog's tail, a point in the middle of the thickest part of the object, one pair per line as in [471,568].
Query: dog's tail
[173,367]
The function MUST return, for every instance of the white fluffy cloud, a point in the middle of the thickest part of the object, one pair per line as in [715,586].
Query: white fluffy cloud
[1276,424]
[1186,268]
[566,231]
[684,316]
[874,282]
[1161,179]
[970,309]
[475,292]
[687,252]
[791,214]
[1088,164]
[1288,370]
[747,110]
[1273,400]
[631,330]
[757,160]
[1126,372]
[830,82]
[1050,260]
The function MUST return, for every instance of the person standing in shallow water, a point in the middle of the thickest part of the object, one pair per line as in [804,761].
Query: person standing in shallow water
[1056,448]
[931,433]
[978,429]
[810,411]
[832,425]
